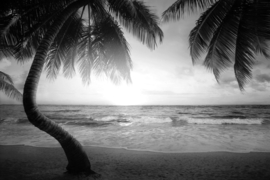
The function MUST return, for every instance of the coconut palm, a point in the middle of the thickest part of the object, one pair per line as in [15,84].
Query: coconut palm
[68,32]
[231,32]
[7,86]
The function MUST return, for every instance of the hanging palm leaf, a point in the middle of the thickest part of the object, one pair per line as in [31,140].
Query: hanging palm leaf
[230,32]
[67,32]
[7,86]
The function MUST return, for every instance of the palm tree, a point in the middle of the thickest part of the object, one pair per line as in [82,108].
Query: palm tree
[231,32]
[57,33]
[7,86]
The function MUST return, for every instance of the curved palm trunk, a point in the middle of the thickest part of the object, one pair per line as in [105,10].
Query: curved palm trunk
[78,161]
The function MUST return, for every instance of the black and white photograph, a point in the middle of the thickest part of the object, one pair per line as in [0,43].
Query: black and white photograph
[135,89]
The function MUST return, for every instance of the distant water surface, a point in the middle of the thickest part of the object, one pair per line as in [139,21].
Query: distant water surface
[155,128]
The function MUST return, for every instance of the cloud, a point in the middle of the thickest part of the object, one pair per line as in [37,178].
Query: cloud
[184,72]
[258,86]
[262,78]
[227,80]
[260,82]
[20,80]
[4,63]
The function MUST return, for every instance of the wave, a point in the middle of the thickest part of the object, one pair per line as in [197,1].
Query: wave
[146,120]
[229,117]
[237,112]
[94,123]
[107,118]
[68,118]
[183,113]
[215,117]
[87,123]
[266,121]
[151,120]
[14,120]
[23,120]
[63,110]
[236,121]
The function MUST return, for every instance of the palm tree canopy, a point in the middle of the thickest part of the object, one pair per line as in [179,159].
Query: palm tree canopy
[230,32]
[7,86]
[91,37]
[57,33]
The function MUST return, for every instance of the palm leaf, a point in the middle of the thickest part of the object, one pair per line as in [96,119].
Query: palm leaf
[25,23]
[6,85]
[106,51]
[136,17]
[260,17]
[60,50]
[181,7]
[206,26]
[121,7]
[262,46]
[244,52]
[5,77]
[222,45]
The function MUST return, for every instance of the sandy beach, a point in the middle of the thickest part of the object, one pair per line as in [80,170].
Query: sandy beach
[27,163]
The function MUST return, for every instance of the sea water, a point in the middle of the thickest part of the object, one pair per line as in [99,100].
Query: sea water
[244,128]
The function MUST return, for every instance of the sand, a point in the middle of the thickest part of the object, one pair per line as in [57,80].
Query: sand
[39,163]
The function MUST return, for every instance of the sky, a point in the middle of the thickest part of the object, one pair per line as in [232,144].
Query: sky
[164,76]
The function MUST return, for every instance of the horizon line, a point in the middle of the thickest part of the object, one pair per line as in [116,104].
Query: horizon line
[259,104]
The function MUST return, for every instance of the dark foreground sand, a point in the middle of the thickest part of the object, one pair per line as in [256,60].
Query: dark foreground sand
[30,163]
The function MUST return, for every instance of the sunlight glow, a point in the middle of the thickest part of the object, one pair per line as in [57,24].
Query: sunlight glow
[124,95]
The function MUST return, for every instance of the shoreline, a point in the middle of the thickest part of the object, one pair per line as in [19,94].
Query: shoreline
[143,150]
[29,162]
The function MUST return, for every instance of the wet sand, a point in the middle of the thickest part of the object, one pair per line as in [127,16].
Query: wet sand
[40,163]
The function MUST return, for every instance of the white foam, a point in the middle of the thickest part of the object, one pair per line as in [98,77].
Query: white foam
[108,118]
[151,120]
[125,124]
[225,121]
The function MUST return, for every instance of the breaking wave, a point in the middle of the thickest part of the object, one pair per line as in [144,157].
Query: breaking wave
[231,121]
[146,120]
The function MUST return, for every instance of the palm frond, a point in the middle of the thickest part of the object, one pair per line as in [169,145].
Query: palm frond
[262,46]
[5,77]
[96,10]
[260,17]
[63,44]
[206,26]
[105,50]
[222,45]
[7,37]
[86,65]
[122,8]
[181,7]
[11,23]
[139,20]
[245,49]
[69,62]
[25,23]
[6,85]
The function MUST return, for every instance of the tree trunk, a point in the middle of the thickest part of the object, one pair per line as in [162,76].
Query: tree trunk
[78,161]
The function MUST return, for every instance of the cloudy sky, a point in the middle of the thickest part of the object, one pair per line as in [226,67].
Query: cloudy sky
[164,76]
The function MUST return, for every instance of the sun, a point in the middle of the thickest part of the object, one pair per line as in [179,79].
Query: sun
[124,95]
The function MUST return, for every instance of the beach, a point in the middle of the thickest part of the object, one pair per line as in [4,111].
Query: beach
[40,163]
[141,142]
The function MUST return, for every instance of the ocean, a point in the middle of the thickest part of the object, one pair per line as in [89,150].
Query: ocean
[241,128]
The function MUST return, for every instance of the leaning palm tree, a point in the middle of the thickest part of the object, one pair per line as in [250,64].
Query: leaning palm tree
[68,32]
[7,86]
[231,32]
